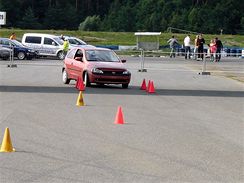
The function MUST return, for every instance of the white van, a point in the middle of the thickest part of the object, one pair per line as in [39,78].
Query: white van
[45,44]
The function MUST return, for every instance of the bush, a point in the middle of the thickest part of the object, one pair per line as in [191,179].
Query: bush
[91,23]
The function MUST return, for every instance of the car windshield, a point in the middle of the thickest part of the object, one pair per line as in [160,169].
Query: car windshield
[76,41]
[101,56]
[60,41]
[17,43]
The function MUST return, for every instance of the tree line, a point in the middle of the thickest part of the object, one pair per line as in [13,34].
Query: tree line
[207,16]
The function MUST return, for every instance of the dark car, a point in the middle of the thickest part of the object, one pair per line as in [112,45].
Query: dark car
[95,65]
[4,53]
[20,51]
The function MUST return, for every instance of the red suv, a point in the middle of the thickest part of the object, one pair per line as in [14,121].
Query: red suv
[95,65]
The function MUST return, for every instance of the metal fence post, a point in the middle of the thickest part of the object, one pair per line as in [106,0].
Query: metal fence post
[204,72]
[11,57]
[142,62]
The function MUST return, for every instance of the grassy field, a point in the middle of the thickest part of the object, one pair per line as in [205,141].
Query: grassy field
[123,38]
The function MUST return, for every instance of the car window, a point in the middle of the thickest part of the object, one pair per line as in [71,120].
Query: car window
[49,41]
[17,43]
[5,42]
[59,40]
[79,53]
[71,53]
[80,42]
[73,41]
[33,39]
[101,55]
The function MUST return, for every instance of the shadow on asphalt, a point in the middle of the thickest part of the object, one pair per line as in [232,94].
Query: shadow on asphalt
[117,90]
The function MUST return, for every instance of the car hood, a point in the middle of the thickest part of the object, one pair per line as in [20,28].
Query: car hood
[108,65]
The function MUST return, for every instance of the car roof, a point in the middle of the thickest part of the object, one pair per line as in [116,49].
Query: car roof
[40,34]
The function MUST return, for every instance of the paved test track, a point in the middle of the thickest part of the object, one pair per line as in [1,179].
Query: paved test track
[190,130]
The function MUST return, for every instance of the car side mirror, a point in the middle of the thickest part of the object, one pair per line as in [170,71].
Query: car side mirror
[53,43]
[123,61]
[78,59]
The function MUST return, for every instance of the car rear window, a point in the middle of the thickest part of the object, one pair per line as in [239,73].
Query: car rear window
[33,39]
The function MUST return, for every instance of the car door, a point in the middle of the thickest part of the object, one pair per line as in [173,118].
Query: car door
[69,63]
[50,46]
[33,42]
[8,44]
[78,63]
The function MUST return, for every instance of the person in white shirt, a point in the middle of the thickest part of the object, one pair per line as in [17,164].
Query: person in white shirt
[187,42]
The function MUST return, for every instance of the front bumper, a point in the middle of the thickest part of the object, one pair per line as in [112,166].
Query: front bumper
[97,78]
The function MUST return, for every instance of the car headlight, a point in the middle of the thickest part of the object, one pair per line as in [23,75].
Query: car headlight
[32,51]
[126,72]
[97,71]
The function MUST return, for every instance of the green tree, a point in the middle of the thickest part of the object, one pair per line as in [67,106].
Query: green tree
[91,23]
[29,21]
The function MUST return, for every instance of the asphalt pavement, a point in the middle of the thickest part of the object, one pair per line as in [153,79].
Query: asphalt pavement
[190,130]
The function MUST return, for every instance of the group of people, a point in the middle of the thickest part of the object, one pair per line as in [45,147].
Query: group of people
[215,48]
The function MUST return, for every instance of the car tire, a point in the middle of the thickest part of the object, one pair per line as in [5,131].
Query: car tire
[21,55]
[125,85]
[65,77]
[60,55]
[86,80]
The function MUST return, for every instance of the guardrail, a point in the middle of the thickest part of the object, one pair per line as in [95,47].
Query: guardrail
[226,51]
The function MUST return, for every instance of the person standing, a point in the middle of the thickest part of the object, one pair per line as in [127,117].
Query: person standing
[172,44]
[13,36]
[212,49]
[187,45]
[65,47]
[200,47]
[196,47]
[62,37]
[219,46]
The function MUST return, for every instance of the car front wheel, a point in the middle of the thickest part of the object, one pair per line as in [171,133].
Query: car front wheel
[66,79]
[125,85]
[61,55]
[21,55]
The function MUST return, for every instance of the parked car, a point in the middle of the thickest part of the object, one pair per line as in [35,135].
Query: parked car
[4,53]
[20,51]
[95,65]
[45,44]
[74,41]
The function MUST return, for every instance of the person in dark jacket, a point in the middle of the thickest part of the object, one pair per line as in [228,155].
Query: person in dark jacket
[172,44]
[219,46]
[200,47]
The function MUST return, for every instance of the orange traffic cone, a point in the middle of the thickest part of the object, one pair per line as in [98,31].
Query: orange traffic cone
[77,82]
[7,144]
[143,85]
[119,116]
[81,86]
[148,85]
[80,101]
[151,88]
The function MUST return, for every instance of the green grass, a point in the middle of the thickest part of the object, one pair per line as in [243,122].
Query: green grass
[123,38]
